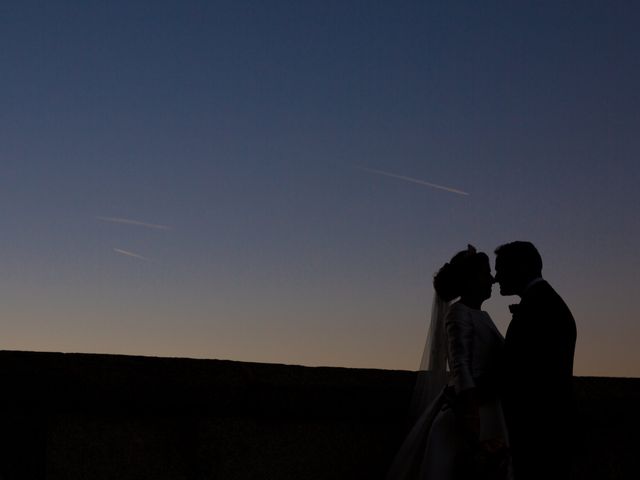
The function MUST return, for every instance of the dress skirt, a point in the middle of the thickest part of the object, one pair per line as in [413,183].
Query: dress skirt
[437,447]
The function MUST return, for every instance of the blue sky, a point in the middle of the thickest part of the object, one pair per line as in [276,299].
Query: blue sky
[246,127]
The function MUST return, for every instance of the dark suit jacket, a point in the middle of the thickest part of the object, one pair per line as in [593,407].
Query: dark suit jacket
[537,380]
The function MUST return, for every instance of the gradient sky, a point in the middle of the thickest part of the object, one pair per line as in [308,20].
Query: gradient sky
[247,138]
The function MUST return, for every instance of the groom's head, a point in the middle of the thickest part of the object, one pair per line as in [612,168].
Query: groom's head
[517,264]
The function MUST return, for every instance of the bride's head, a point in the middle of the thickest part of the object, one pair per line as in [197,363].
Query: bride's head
[466,275]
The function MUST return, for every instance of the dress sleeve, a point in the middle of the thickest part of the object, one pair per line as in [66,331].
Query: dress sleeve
[460,337]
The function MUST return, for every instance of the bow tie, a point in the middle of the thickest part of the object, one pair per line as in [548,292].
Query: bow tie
[515,308]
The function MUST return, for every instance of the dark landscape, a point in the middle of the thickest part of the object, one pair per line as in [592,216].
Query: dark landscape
[90,416]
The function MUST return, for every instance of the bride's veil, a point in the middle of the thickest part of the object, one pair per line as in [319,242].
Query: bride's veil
[432,375]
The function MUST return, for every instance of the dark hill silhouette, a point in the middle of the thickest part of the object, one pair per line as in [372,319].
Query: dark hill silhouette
[90,416]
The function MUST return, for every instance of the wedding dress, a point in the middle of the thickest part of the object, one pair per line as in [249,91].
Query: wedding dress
[468,341]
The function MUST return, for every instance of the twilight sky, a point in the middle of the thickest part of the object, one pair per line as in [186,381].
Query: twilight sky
[233,179]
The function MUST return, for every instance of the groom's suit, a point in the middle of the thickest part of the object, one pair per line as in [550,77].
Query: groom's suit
[537,383]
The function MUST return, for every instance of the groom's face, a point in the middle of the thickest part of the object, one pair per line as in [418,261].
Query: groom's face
[505,277]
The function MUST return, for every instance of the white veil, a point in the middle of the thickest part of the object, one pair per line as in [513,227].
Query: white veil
[433,373]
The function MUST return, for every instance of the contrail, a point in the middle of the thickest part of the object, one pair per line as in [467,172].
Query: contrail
[131,254]
[137,223]
[413,180]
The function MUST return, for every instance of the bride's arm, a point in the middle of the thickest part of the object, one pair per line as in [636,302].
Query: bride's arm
[460,338]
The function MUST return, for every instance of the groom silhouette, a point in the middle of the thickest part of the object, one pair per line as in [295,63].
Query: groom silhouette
[536,385]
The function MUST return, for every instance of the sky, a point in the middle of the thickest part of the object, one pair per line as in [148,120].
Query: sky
[278,181]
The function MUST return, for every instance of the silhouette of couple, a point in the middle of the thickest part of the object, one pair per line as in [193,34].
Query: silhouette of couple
[488,407]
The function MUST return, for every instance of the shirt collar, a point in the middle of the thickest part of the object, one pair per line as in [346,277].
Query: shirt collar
[532,283]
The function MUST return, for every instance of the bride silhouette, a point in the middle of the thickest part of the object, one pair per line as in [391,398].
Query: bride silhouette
[459,428]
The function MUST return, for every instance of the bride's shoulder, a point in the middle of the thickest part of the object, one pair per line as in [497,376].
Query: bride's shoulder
[458,311]
[458,307]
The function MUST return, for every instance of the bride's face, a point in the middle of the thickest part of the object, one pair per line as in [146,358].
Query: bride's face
[487,281]
[482,281]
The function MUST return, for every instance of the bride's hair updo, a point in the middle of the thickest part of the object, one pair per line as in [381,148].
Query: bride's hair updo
[451,279]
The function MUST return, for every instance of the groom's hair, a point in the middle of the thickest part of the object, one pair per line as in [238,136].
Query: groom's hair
[523,254]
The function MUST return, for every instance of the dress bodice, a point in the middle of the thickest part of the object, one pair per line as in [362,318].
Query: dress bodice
[475,345]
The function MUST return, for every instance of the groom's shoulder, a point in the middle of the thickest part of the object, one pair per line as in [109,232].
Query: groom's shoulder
[543,290]
[543,296]
[550,292]
[549,298]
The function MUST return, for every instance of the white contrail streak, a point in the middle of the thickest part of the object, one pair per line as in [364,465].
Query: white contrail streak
[413,180]
[137,223]
[131,254]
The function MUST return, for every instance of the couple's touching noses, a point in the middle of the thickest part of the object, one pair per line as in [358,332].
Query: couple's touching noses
[488,406]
